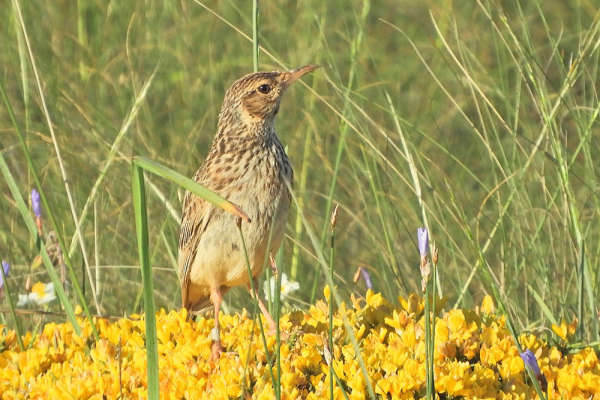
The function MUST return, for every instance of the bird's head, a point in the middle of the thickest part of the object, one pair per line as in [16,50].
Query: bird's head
[255,98]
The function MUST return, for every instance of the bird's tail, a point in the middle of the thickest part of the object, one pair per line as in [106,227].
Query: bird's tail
[204,303]
[200,306]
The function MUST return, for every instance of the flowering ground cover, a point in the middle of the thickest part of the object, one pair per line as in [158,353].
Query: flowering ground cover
[474,358]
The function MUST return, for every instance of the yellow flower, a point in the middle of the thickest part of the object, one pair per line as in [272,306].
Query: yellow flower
[309,361]
[458,381]
[375,300]
[489,335]
[39,289]
[414,304]
[490,356]
[473,359]
[398,320]
[510,367]
[412,375]
[326,293]
[487,305]
[564,331]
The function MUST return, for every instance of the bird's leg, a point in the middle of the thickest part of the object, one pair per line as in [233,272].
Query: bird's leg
[217,348]
[263,308]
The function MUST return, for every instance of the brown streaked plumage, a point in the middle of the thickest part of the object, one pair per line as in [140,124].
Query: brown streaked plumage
[248,166]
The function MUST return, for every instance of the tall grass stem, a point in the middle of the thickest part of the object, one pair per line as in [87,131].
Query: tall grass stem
[141,228]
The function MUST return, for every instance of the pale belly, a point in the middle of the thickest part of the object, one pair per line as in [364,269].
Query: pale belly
[220,260]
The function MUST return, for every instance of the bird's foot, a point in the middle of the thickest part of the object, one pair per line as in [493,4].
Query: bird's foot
[217,349]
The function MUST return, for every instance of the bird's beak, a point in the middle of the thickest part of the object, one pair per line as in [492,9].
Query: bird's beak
[295,74]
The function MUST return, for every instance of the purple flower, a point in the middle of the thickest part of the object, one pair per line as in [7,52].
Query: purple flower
[365,274]
[423,239]
[367,278]
[6,267]
[529,359]
[35,203]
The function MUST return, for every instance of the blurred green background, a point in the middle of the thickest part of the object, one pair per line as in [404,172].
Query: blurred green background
[476,119]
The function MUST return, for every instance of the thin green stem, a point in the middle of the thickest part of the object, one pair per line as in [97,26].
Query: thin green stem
[428,339]
[330,299]
[254,295]
[277,331]
[255,46]
[141,228]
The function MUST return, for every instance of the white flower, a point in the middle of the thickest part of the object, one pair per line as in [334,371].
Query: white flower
[40,294]
[287,287]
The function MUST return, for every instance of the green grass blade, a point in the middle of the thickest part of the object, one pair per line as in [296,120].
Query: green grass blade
[580,289]
[277,330]
[255,299]
[330,300]
[428,340]
[188,184]
[255,34]
[141,227]
[543,305]
[591,297]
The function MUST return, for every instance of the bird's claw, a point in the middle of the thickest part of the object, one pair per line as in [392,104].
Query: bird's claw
[217,349]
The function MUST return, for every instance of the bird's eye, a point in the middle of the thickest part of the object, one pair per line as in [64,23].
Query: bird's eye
[264,88]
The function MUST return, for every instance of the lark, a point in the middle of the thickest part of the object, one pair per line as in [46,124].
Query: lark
[248,166]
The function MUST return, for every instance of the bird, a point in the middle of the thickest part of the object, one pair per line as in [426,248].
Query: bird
[248,166]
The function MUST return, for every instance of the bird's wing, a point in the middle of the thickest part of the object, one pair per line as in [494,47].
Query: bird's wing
[195,216]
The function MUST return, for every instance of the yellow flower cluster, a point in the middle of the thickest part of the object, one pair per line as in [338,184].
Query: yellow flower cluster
[475,357]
